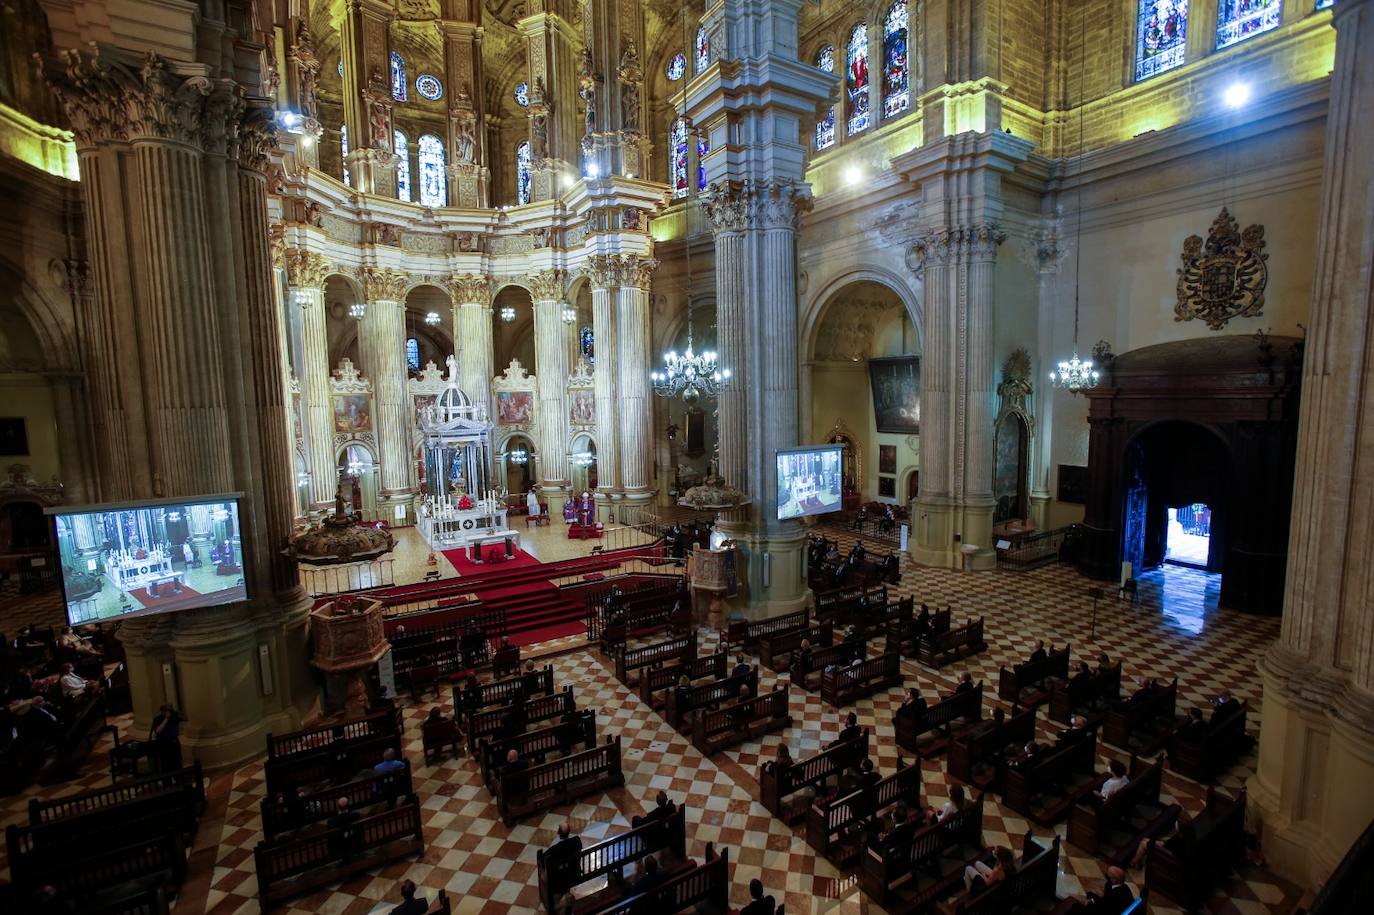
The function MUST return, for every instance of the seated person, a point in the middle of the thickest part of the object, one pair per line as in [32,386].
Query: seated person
[411,904]
[1077,730]
[1195,727]
[1180,842]
[70,640]
[965,684]
[562,854]
[662,810]
[344,821]
[39,721]
[1116,782]
[1029,754]
[913,706]
[952,806]
[784,758]
[742,668]
[978,876]
[851,728]
[73,685]
[650,879]
[800,657]
[1039,654]
[759,904]
[1145,688]
[1225,706]
[1115,898]
[1083,675]
[858,553]
[512,773]
[389,763]
[1104,664]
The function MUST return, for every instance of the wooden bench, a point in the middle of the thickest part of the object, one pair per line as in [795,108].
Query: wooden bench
[160,858]
[500,692]
[841,686]
[677,650]
[777,782]
[557,738]
[289,813]
[851,606]
[809,667]
[610,856]
[1104,827]
[706,696]
[562,781]
[1203,757]
[1218,846]
[77,739]
[483,725]
[977,755]
[704,885]
[190,777]
[904,633]
[1033,885]
[1082,695]
[775,651]
[290,867]
[828,823]
[1012,684]
[1142,726]
[435,736]
[337,763]
[914,867]
[966,706]
[1057,778]
[725,727]
[708,667]
[309,740]
[747,634]
[937,650]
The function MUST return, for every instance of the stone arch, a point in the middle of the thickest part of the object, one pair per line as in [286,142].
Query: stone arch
[50,323]
[817,302]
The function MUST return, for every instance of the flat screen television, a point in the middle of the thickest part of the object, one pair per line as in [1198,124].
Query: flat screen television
[810,481]
[157,556]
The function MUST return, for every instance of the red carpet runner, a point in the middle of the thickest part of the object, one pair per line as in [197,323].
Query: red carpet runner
[536,611]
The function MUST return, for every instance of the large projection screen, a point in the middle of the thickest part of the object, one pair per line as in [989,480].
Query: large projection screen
[809,481]
[157,556]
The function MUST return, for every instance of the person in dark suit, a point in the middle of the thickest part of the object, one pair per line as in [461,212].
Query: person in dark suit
[663,808]
[965,684]
[1225,706]
[344,839]
[512,773]
[1039,653]
[913,706]
[742,667]
[1195,727]
[562,854]
[411,904]
[652,877]
[1115,898]
[1077,730]
[1085,673]
[166,738]
[1028,756]
[759,904]
[851,728]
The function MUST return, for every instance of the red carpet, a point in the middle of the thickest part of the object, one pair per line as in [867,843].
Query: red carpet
[467,568]
[168,598]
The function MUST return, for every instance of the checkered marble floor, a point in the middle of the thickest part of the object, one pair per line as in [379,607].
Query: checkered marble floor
[487,868]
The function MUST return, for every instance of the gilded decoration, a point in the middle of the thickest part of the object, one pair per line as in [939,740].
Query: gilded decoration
[470,289]
[1223,277]
[1015,385]
[547,285]
[385,285]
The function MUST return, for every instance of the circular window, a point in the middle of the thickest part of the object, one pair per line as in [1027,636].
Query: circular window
[522,94]
[677,66]
[428,85]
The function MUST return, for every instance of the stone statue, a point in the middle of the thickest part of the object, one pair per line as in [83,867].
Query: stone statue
[539,136]
[452,364]
[629,106]
[338,501]
[465,138]
[308,67]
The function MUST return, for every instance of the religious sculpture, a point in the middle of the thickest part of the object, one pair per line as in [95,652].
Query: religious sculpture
[465,136]
[308,69]
[1223,277]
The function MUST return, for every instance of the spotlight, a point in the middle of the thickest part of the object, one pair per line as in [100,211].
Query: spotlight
[853,175]
[1236,94]
[307,140]
[567,180]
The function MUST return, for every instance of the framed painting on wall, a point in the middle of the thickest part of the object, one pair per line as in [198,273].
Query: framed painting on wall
[14,436]
[352,413]
[896,384]
[1073,484]
[514,408]
[887,458]
[887,486]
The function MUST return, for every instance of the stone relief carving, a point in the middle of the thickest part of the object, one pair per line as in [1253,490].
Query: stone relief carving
[1015,385]
[424,244]
[606,270]
[1223,277]
[306,269]
[384,285]
[340,228]
[469,288]
[733,206]
[512,244]
[307,62]
[347,380]
[945,246]
[384,233]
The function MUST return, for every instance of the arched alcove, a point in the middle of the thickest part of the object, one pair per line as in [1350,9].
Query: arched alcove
[429,322]
[513,339]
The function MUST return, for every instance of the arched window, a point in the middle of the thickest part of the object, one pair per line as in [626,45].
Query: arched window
[896,68]
[402,166]
[1161,35]
[399,86]
[677,66]
[433,178]
[677,157]
[703,49]
[522,171]
[343,152]
[825,128]
[413,354]
[1239,19]
[703,147]
[522,94]
[856,79]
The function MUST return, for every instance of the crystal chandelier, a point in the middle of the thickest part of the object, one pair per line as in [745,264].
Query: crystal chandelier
[582,459]
[569,314]
[693,375]
[1075,374]
[508,314]
[432,318]
[357,310]
[519,456]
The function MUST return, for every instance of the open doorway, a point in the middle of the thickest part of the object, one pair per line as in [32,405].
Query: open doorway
[1188,537]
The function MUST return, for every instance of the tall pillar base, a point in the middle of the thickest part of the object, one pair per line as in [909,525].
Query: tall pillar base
[771,568]
[1040,510]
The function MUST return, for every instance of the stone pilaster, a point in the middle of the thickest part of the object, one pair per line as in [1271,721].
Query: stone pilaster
[469,175]
[305,275]
[384,340]
[364,32]
[604,272]
[472,331]
[555,130]
[1045,255]
[551,355]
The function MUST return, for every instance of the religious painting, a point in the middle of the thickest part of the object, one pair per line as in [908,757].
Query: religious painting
[14,436]
[422,403]
[887,487]
[514,408]
[1010,468]
[297,422]
[1073,484]
[887,458]
[582,407]
[896,384]
[352,413]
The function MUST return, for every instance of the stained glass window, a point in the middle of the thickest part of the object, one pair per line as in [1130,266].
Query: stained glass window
[340,69]
[1161,35]
[428,85]
[856,79]
[677,66]
[677,161]
[703,49]
[825,128]
[522,171]
[703,147]
[343,152]
[586,340]
[896,72]
[1239,19]
[433,178]
[1323,4]
[522,94]
[413,354]
[399,89]
[402,166]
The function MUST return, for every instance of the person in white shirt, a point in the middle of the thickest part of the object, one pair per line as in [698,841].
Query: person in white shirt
[73,685]
[69,639]
[1117,781]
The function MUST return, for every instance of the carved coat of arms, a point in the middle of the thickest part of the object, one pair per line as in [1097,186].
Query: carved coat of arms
[1223,277]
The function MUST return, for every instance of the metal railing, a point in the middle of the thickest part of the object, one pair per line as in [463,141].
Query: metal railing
[1033,550]
[353,576]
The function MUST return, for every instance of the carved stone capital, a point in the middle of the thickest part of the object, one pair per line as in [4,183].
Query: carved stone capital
[470,288]
[736,206]
[944,246]
[384,285]
[166,106]
[607,270]
[547,285]
[222,121]
[257,139]
[306,269]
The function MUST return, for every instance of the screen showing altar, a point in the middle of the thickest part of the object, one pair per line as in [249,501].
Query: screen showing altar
[809,481]
[149,557]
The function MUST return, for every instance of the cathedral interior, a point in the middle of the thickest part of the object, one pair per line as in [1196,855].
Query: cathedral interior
[742,376]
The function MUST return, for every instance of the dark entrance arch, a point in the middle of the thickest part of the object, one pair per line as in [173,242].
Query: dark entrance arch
[1211,420]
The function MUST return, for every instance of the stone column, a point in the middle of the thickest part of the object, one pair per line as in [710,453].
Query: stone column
[734,283]
[1045,255]
[471,295]
[977,380]
[611,85]
[1316,756]
[551,355]
[364,33]
[384,343]
[934,522]
[469,174]
[634,394]
[555,132]
[604,271]
[305,275]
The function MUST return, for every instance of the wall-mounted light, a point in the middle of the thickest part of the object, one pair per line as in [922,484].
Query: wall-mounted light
[1237,94]
[853,175]
[358,310]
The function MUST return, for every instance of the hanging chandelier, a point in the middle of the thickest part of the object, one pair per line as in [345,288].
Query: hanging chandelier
[693,375]
[357,310]
[1075,374]
[508,314]
[569,314]
[519,456]
[432,318]
[582,458]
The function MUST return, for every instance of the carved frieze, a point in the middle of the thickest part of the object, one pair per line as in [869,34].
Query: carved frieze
[424,244]
[512,244]
[1223,277]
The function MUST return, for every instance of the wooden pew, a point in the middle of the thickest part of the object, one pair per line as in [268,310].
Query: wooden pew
[77,739]
[808,668]
[903,633]
[337,763]
[1104,827]
[1058,777]
[384,721]
[959,642]
[1070,697]
[705,885]
[1218,846]
[777,782]
[319,805]
[557,738]
[291,867]
[483,725]
[828,822]
[161,857]
[564,780]
[610,856]
[190,777]
[706,696]
[151,901]
[916,867]
[675,650]
[1143,726]
[841,686]
[851,606]
[775,651]
[725,727]
[1204,757]
[708,667]
[965,706]
[499,692]
[1012,685]
[747,634]
[1033,884]
[976,756]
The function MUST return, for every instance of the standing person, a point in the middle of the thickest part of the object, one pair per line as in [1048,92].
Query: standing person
[165,737]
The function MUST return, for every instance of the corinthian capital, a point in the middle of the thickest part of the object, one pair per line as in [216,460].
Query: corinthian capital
[736,206]
[937,248]
[943,246]
[470,288]
[306,269]
[607,270]
[384,285]
[547,285]
[92,93]
[166,106]
[223,114]
[257,139]
[982,240]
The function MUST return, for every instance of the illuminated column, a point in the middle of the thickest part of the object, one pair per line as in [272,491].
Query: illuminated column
[384,343]
[1045,257]
[364,33]
[471,295]
[469,173]
[634,393]
[305,274]
[551,355]
[604,271]
[976,384]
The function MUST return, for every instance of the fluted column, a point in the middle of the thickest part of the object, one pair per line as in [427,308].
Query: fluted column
[551,355]
[555,131]
[977,382]
[1045,257]
[633,391]
[733,285]
[472,335]
[384,334]
[305,274]
[604,272]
